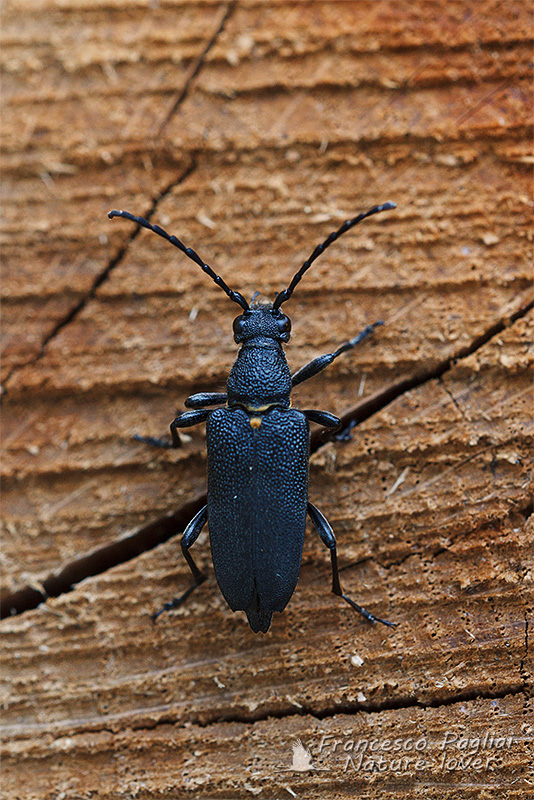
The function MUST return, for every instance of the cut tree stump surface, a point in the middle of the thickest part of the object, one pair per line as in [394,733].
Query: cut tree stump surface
[251,130]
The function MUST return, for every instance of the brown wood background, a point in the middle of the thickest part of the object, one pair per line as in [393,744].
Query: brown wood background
[252,129]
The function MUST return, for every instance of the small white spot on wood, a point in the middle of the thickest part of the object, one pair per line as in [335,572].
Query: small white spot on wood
[205,220]
[446,159]
[292,156]
[46,179]
[293,702]
[108,68]
[400,479]
[489,238]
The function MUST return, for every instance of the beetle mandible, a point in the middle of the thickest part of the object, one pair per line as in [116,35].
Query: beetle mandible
[258,453]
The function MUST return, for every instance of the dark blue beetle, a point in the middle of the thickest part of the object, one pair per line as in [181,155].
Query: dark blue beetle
[258,453]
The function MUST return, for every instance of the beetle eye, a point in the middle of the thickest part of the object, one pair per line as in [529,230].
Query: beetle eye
[284,324]
[238,326]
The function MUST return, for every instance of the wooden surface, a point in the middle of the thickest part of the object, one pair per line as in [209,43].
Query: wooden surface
[251,130]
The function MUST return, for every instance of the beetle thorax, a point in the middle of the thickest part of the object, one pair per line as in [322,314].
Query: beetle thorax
[260,377]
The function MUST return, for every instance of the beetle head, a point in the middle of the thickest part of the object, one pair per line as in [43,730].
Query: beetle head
[262,320]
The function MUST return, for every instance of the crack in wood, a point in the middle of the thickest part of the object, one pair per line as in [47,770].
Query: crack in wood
[303,710]
[391,704]
[522,670]
[454,401]
[386,396]
[99,279]
[184,93]
[104,274]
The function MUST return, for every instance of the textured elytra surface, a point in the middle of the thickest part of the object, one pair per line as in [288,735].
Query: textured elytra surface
[294,117]
[257,490]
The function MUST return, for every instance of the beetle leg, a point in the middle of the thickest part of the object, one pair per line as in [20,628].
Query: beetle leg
[326,533]
[205,399]
[155,441]
[189,537]
[319,363]
[185,420]
[322,418]
[345,434]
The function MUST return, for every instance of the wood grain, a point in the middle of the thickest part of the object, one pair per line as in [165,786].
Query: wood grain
[251,130]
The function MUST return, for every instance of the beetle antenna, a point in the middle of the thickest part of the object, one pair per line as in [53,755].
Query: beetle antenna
[188,251]
[285,294]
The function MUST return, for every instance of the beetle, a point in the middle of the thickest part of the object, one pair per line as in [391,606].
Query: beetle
[258,454]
